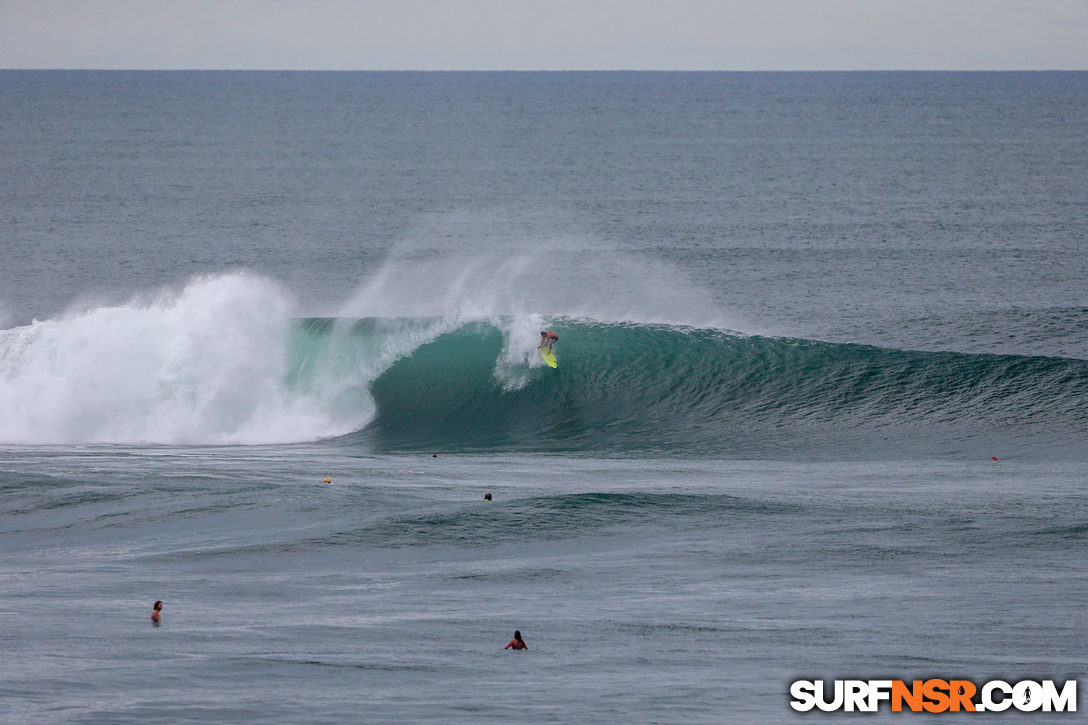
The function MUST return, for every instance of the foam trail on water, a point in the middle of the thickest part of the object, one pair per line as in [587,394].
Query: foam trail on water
[206,364]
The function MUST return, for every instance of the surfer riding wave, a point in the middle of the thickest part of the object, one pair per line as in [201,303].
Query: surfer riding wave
[547,339]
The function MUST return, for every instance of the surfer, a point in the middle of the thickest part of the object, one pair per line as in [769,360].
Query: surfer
[155,611]
[517,642]
[547,339]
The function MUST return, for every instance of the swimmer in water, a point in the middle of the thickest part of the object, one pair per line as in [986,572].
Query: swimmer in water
[517,642]
[155,611]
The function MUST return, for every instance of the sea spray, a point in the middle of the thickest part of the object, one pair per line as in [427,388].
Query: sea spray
[206,364]
[546,277]
[513,368]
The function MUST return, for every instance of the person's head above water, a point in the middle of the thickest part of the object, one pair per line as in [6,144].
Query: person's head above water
[517,642]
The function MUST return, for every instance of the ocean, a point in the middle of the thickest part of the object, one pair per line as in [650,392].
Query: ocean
[267,340]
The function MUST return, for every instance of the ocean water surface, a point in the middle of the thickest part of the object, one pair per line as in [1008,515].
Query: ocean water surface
[820,410]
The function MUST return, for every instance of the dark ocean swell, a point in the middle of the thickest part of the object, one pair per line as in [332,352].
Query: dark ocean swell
[638,388]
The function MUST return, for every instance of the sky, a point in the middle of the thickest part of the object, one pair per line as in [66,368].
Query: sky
[545,34]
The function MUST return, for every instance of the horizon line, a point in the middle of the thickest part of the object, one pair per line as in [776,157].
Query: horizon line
[545,70]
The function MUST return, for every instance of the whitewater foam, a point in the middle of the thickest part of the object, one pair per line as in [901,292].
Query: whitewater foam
[206,364]
[226,360]
[518,356]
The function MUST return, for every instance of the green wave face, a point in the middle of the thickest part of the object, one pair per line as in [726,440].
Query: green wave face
[637,389]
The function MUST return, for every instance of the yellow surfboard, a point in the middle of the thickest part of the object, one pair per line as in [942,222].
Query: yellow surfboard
[549,357]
